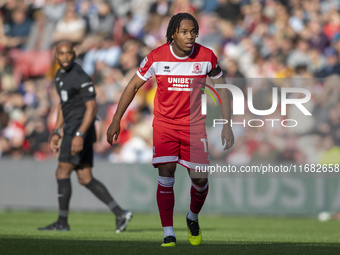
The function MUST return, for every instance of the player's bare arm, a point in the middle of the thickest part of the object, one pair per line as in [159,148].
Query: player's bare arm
[89,116]
[227,133]
[128,94]
[56,135]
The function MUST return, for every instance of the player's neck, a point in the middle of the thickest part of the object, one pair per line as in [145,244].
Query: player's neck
[180,54]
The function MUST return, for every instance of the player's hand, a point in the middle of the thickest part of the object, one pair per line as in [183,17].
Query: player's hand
[113,131]
[227,137]
[77,145]
[54,143]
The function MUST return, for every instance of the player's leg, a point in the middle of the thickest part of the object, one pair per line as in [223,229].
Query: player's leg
[86,179]
[194,155]
[63,174]
[165,158]
[198,193]
[85,163]
[166,201]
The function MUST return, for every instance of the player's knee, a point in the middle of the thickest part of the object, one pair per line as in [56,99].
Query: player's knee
[200,181]
[167,170]
[84,180]
[63,172]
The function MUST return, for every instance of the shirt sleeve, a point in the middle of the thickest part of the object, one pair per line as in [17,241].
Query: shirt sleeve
[87,90]
[215,71]
[146,69]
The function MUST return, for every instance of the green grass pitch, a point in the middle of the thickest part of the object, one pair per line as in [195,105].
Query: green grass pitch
[93,233]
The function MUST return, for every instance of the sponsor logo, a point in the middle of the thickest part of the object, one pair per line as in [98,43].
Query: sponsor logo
[167,69]
[86,84]
[179,84]
[145,60]
[64,95]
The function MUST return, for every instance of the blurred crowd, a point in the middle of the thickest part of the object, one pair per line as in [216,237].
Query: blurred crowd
[260,44]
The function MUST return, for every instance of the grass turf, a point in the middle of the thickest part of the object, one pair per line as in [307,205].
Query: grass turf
[93,233]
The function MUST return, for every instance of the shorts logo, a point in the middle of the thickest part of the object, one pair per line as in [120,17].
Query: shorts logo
[63,95]
[197,68]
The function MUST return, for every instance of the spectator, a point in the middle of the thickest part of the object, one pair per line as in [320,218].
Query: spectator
[40,36]
[332,64]
[317,38]
[228,10]
[333,25]
[331,154]
[102,21]
[54,9]
[300,55]
[297,20]
[3,119]
[71,27]
[160,7]
[37,136]
[19,28]
[234,76]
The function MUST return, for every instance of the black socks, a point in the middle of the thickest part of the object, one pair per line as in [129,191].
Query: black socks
[100,191]
[64,195]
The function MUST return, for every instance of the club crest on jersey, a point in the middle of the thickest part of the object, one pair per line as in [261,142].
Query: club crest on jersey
[197,68]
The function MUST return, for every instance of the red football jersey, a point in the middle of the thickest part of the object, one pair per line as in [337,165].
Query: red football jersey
[179,79]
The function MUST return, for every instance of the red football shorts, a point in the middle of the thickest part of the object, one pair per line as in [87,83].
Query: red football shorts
[188,147]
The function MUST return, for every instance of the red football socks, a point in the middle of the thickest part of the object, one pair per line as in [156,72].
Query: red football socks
[198,195]
[166,200]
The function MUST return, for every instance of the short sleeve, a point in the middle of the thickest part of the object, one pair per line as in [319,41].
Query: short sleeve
[146,69]
[215,71]
[87,90]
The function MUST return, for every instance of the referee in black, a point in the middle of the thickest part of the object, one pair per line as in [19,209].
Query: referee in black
[76,115]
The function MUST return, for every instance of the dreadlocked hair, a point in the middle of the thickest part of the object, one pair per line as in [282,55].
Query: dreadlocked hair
[175,23]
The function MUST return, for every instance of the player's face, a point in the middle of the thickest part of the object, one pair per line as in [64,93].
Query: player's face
[184,38]
[65,55]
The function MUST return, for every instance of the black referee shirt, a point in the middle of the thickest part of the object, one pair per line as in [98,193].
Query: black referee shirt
[75,88]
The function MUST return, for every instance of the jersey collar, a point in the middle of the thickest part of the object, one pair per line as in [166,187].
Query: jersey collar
[173,53]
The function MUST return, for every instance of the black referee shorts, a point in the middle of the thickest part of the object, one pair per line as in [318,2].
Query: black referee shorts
[83,158]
